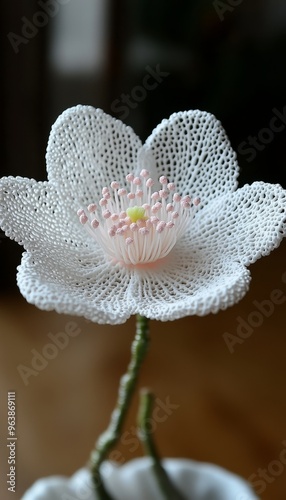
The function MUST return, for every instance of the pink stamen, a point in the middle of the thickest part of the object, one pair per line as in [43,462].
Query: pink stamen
[141,223]
[163,180]
[92,208]
[185,204]
[161,226]
[176,198]
[137,181]
[163,194]
[146,207]
[155,196]
[83,219]
[156,207]
[129,177]
[167,215]
[150,183]
[144,172]
[154,219]
[186,199]
[144,231]
[122,192]
[94,223]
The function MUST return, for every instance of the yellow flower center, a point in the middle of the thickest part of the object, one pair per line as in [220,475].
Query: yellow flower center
[136,213]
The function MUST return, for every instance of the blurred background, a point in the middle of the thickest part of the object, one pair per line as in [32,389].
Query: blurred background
[140,61]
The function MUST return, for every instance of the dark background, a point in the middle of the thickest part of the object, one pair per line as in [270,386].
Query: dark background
[226,59]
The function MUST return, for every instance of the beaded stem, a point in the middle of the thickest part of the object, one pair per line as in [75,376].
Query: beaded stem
[166,486]
[127,384]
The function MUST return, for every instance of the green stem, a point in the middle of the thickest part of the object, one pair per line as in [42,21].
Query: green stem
[145,434]
[127,384]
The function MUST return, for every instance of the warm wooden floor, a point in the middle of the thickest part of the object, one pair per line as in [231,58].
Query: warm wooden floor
[231,406]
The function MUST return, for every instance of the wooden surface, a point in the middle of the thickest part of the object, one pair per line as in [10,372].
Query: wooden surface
[227,408]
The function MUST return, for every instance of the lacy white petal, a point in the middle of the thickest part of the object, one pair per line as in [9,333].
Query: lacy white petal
[135,481]
[101,293]
[244,225]
[87,150]
[192,148]
[35,215]
[193,281]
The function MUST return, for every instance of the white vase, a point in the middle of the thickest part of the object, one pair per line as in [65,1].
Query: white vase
[135,481]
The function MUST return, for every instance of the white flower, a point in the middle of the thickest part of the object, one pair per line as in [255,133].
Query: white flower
[121,228]
[135,481]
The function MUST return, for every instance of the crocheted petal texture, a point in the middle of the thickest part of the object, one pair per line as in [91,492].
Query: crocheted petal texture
[192,282]
[101,293]
[35,215]
[64,269]
[244,225]
[206,271]
[87,150]
[192,149]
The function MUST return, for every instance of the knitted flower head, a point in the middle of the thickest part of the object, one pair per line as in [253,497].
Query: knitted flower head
[122,228]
